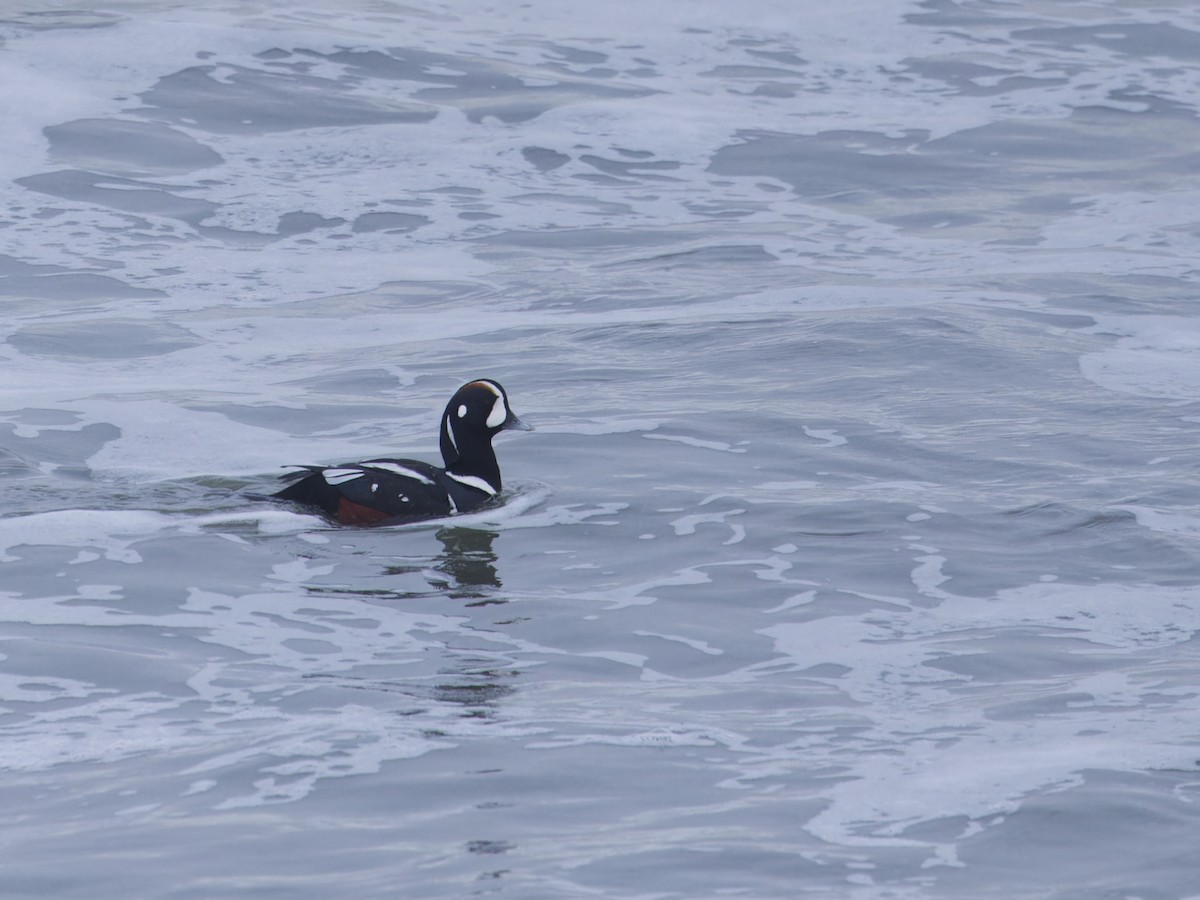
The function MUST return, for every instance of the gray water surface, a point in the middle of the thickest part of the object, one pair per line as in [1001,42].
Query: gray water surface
[855,554]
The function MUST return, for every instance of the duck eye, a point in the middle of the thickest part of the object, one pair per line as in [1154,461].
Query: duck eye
[462,410]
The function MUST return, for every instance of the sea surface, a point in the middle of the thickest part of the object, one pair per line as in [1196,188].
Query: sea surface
[855,555]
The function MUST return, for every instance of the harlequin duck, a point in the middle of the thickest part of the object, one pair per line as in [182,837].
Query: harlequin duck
[402,490]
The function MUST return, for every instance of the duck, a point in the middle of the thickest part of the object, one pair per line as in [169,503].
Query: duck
[392,491]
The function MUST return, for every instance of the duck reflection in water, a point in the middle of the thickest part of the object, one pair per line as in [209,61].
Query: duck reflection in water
[465,569]
[467,560]
[468,677]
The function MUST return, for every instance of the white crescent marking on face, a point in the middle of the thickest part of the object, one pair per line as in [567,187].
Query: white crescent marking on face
[498,414]
[474,481]
[338,476]
[450,435]
[397,469]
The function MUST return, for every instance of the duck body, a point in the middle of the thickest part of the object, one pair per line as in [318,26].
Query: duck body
[388,491]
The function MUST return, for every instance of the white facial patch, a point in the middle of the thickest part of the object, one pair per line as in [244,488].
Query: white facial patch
[462,410]
[397,469]
[498,414]
[450,435]
[340,476]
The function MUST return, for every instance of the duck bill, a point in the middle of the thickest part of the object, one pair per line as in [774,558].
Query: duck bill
[512,423]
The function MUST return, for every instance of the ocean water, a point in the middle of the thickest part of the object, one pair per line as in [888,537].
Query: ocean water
[856,553]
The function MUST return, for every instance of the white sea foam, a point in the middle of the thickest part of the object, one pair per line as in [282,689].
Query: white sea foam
[853,672]
[112,532]
[950,750]
[1156,356]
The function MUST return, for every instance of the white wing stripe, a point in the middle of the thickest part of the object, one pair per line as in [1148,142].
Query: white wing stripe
[338,476]
[400,470]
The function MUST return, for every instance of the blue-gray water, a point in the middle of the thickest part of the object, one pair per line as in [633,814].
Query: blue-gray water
[857,550]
